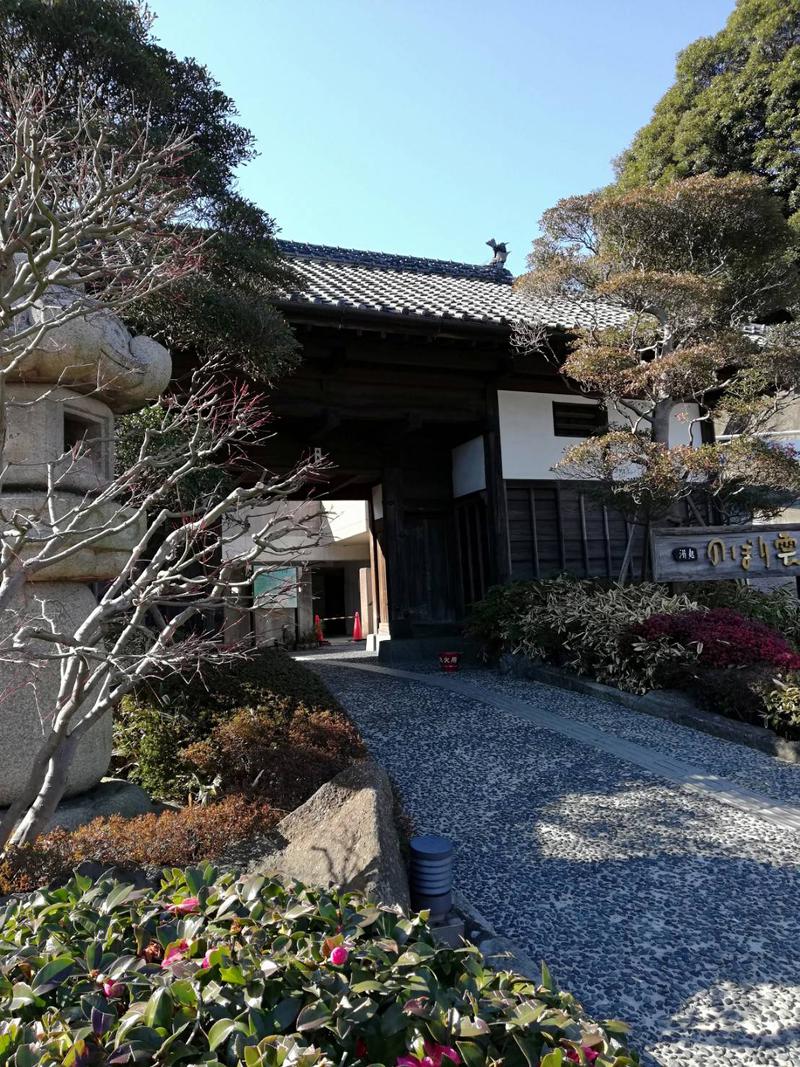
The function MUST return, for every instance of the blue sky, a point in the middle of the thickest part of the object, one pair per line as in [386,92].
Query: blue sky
[427,126]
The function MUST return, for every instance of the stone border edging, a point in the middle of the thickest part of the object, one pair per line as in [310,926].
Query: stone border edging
[664,704]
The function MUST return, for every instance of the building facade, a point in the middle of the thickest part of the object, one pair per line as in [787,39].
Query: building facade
[446,435]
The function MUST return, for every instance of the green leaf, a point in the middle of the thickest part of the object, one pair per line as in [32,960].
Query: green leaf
[118,896]
[312,1017]
[368,986]
[159,1009]
[52,974]
[252,1057]
[409,959]
[194,880]
[471,1054]
[23,996]
[233,974]
[184,992]
[472,1027]
[554,1058]
[547,978]
[284,1013]
[393,1020]
[220,1031]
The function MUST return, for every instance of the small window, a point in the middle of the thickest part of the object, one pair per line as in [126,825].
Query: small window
[579,420]
[78,431]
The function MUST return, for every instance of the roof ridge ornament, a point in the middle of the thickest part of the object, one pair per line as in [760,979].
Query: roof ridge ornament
[500,250]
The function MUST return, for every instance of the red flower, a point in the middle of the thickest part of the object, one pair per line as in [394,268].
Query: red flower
[361,1048]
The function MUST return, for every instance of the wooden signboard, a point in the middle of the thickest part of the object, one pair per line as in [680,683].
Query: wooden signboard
[711,553]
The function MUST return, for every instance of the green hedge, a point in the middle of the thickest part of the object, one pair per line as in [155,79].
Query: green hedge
[210,970]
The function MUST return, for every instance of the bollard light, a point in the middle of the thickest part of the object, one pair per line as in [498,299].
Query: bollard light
[432,874]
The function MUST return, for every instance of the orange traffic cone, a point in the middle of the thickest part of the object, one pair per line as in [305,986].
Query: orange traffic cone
[318,629]
[357,635]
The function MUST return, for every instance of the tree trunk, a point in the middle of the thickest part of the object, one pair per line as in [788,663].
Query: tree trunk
[42,810]
[661,414]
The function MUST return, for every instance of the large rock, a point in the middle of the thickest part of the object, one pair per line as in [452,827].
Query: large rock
[114,796]
[345,835]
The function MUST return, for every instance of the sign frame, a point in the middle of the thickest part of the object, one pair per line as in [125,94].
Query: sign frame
[768,551]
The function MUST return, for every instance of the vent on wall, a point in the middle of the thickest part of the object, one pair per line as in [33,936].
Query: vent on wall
[579,420]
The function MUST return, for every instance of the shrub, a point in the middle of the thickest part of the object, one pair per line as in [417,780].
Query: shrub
[276,751]
[737,693]
[211,970]
[496,621]
[165,737]
[781,704]
[723,638]
[779,608]
[581,624]
[172,839]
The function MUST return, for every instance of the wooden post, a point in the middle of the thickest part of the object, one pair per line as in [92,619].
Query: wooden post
[377,564]
[399,625]
[497,506]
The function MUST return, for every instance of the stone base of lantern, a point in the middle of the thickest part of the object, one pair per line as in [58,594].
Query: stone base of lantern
[28,693]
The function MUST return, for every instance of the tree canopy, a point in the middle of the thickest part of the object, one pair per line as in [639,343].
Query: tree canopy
[688,265]
[107,48]
[733,106]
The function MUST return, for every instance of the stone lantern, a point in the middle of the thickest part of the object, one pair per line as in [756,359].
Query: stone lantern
[66,392]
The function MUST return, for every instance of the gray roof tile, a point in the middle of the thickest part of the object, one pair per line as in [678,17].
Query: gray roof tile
[409,286]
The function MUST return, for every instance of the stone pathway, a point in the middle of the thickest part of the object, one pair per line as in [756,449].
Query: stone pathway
[657,870]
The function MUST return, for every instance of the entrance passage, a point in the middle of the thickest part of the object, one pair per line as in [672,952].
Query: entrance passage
[328,593]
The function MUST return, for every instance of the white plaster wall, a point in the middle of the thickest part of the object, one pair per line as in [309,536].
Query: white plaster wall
[528,446]
[327,530]
[344,520]
[682,431]
[469,467]
[530,449]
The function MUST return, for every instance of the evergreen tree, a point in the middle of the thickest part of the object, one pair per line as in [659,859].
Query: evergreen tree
[690,265]
[733,107]
[108,48]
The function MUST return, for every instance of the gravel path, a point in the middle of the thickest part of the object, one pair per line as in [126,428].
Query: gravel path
[651,903]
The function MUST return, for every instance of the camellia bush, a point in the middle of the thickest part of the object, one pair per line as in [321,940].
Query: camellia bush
[213,970]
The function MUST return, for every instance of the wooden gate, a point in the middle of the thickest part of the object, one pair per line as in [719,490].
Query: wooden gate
[472,537]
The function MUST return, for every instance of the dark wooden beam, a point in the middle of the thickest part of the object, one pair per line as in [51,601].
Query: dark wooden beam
[499,548]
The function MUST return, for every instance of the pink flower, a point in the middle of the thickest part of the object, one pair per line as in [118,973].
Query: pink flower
[175,953]
[186,906]
[339,956]
[434,1054]
[112,988]
[205,963]
[590,1054]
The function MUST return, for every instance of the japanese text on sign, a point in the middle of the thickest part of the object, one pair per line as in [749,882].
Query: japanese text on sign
[761,550]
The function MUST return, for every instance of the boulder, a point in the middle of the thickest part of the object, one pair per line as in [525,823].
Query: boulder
[114,796]
[344,835]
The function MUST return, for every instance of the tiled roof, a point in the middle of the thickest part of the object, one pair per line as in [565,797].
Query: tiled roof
[344,279]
